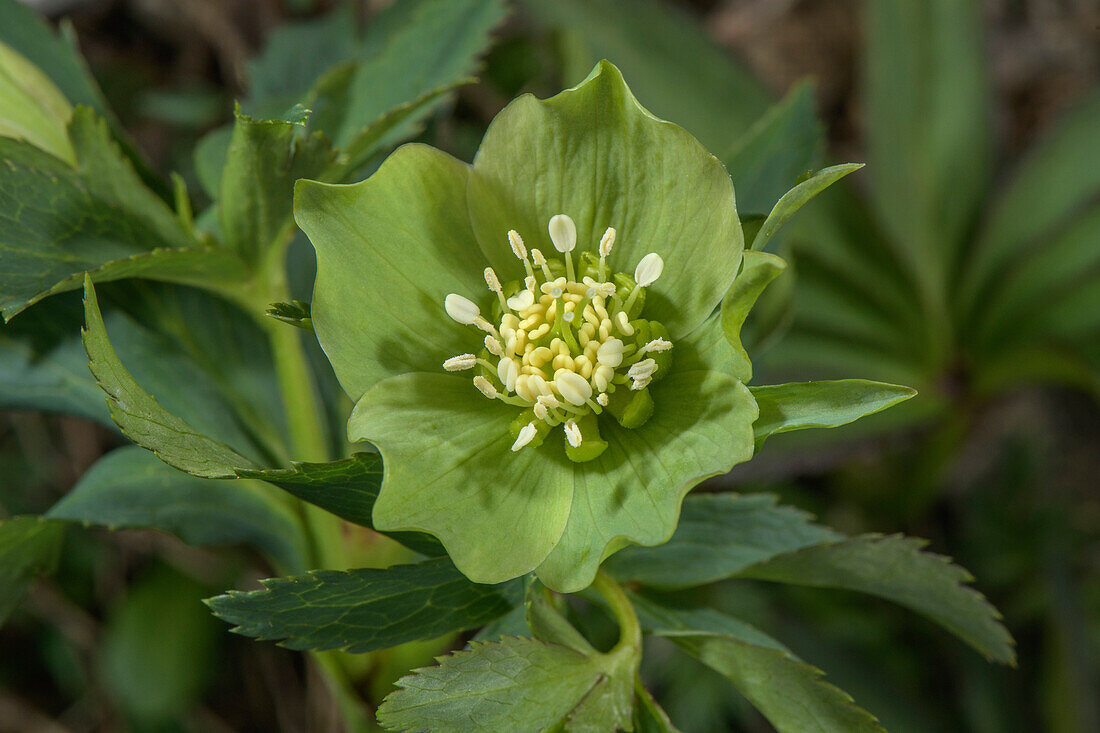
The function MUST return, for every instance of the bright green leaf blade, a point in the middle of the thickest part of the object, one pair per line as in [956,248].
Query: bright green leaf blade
[140,416]
[407,227]
[632,493]
[61,222]
[895,568]
[29,546]
[1056,183]
[256,194]
[593,153]
[801,405]
[782,145]
[757,272]
[470,489]
[131,488]
[516,685]
[793,200]
[347,488]
[790,693]
[928,127]
[674,66]
[719,535]
[31,107]
[431,44]
[366,609]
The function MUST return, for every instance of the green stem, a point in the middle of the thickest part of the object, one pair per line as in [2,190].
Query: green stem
[630,631]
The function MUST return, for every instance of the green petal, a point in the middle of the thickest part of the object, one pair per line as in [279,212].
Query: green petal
[389,250]
[594,153]
[702,427]
[450,471]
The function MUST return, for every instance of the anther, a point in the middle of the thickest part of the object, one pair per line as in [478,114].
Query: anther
[649,269]
[540,411]
[573,434]
[486,387]
[623,322]
[493,282]
[460,362]
[540,261]
[602,398]
[563,233]
[526,434]
[642,370]
[656,345]
[573,387]
[521,300]
[494,346]
[463,310]
[607,241]
[610,353]
[518,247]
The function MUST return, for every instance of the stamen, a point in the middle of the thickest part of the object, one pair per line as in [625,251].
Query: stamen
[494,346]
[526,434]
[642,369]
[623,322]
[649,269]
[493,282]
[540,411]
[540,261]
[563,233]
[460,309]
[602,398]
[460,362]
[518,247]
[573,434]
[607,241]
[572,386]
[486,387]
[656,345]
[508,372]
[638,384]
[610,353]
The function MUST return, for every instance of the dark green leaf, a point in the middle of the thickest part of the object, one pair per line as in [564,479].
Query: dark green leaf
[131,488]
[801,405]
[515,685]
[793,200]
[265,158]
[140,416]
[60,222]
[790,693]
[782,145]
[29,546]
[296,313]
[366,609]
[674,69]
[895,568]
[718,536]
[347,488]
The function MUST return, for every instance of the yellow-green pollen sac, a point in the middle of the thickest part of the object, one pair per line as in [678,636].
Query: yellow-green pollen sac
[569,343]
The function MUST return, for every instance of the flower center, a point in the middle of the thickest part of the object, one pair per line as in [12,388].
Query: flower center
[570,342]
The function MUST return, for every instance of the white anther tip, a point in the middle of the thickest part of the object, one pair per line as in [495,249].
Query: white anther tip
[526,434]
[538,257]
[516,241]
[495,348]
[657,344]
[643,369]
[602,399]
[607,241]
[573,434]
[521,300]
[492,280]
[563,233]
[649,269]
[486,387]
[460,362]
[463,310]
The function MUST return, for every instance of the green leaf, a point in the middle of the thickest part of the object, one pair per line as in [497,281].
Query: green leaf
[785,143]
[547,624]
[648,715]
[366,609]
[801,405]
[928,123]
[676,69]
[159,649]
[515,685]
[347,488]
[296,313]
[256,194]
[793,200]
[140,416]
[718,536]
[210,155]
[99,217]
[31,107]
[790,693]
[131,488]
[29,547]
[758,269]
[895,568]
[594,153]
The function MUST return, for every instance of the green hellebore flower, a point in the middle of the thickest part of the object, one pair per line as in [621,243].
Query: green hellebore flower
[561,414]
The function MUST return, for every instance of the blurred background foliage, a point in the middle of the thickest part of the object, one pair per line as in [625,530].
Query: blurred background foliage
[964,261]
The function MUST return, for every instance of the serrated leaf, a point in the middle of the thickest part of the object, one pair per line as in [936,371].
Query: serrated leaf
[793,200]
[59,222]
[895,568]
[790,693]
[783,144]
[801,405]
[29,546]
[718,536]
[296,313]
[140,416]
[131,488]
[366,609]
[255,197]
[348,488]
[516,685]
